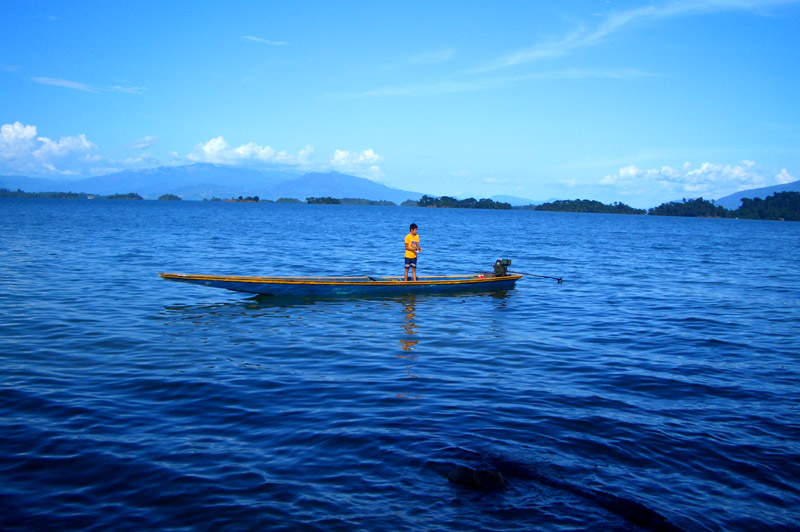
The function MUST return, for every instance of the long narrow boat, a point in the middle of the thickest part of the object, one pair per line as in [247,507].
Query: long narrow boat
[337,286]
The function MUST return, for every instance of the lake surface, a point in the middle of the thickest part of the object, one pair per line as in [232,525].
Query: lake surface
[657,388]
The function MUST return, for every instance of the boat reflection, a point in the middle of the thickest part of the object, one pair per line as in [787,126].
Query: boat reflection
[410,341]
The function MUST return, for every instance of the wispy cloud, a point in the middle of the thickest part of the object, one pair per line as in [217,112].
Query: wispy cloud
[451,86]
[126,90]
[78,86]
[263,41]
[590,35]
[144,143]
[67,84]
[432,58]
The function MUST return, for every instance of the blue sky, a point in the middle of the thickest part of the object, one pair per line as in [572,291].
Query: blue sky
[638,102]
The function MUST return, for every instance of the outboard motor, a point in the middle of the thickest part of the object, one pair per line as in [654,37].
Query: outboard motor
[501,267]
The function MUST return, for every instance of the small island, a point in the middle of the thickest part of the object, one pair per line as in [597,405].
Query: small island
[348,201]
[323,201]
[128,196]
[580,205]
[240,199]
[447,202]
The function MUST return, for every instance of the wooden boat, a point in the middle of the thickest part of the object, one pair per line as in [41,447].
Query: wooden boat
[348,286]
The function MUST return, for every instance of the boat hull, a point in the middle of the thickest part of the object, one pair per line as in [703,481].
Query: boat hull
[347,286]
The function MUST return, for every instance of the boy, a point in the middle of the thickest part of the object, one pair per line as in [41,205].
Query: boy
[412,248]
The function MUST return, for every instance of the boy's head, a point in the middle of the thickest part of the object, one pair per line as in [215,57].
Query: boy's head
[413,227]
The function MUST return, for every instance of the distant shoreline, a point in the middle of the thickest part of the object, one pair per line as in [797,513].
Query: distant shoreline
[781,206]
[5,193]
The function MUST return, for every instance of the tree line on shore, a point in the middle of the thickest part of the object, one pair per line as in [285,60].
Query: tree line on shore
[6,193]
[779,206]
[325,200]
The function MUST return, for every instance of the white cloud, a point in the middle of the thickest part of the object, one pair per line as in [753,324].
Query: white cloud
[16,140]
[347,158]
[363,164]
[496,181]
[23,151]
[708,180]
[64,147]
[218,151]
[784,177]
[144,160]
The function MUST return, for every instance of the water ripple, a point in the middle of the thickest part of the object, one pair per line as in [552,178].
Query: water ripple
[655,389]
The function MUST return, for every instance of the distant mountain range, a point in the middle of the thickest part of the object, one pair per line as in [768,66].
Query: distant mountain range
[734,201]
[205,181]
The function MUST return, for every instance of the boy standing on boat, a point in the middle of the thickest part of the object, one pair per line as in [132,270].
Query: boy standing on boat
[412,248]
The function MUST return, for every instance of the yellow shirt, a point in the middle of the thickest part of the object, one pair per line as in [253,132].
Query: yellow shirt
[409,239]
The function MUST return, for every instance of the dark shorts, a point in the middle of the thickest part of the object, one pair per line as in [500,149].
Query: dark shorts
[411,263]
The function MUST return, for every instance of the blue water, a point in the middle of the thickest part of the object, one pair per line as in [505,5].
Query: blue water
[657,388]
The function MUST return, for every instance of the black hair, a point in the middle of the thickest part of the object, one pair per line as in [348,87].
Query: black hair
[413,226]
